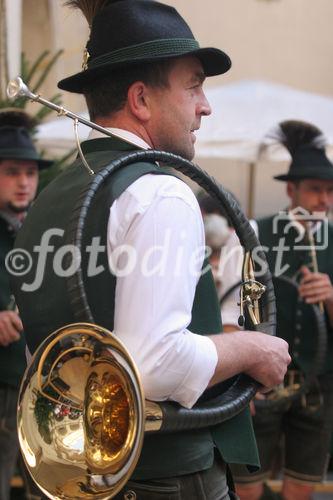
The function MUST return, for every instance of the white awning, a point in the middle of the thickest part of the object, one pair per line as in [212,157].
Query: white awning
[243,113]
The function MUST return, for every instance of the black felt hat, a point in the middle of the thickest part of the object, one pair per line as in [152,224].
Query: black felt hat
[15,139]
[129,32]
[306,144]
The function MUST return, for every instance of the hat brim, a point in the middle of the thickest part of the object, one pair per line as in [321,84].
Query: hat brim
[324,175]
[25,156]
[214,62]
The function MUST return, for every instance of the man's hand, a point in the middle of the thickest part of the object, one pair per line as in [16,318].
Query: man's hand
[10,327]
[271,361]
[315,287]
[263,357]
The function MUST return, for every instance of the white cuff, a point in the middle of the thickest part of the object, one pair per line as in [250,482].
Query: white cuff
[200,373]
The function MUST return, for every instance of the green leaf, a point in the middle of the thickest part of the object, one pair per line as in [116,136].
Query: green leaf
[45,111]
[30,71]
[35,67]
[46,71]
[24,67]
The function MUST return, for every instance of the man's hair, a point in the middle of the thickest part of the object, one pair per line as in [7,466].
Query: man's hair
[296,182]
[209,205]
[108,95]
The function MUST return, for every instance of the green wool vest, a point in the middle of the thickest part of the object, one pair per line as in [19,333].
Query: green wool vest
[295,321]
[45,309]
[12,357]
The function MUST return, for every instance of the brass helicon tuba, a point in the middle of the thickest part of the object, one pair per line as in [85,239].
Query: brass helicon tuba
[82,413]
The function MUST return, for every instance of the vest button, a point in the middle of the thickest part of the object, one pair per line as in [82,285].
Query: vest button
[297,340]
[130,495]
[299,312]
[298,326]
[295,354]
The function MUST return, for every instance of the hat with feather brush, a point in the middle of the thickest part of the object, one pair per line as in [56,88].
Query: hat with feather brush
[15,137]
[306,145]
[134,32]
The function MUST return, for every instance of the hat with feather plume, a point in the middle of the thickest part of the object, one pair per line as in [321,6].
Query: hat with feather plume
[133,32]
[15,137]
[306,145]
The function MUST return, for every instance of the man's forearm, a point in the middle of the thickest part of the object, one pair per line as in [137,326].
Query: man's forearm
[261,356]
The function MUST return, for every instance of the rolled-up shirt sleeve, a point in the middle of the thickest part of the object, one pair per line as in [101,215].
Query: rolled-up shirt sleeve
[157,223]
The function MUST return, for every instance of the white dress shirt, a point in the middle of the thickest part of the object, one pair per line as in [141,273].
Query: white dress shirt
[157,223]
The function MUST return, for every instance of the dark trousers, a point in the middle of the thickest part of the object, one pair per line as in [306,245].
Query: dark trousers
[210,484]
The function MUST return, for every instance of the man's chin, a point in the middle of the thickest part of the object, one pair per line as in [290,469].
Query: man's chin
[18,209]
[187,154]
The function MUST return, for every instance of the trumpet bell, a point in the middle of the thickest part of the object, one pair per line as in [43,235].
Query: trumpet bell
[81,414]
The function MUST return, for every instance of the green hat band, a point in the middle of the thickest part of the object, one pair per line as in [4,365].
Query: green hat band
[153,48]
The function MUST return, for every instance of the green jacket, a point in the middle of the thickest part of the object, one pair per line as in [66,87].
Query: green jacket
[177,453]
[12,357]
[295,321]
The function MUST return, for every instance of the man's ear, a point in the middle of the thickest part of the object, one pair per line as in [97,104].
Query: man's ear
[138,101]
[290,188]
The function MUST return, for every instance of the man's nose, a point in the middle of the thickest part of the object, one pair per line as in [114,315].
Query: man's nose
[23,179]
[324,197]
[205,109]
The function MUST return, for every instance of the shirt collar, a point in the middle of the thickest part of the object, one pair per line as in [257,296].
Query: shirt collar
[313,227]
[14,223]
[122,134]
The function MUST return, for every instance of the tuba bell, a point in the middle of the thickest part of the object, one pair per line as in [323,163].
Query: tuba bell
[80,414]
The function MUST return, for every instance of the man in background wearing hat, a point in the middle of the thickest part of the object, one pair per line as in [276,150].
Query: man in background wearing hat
[288,239]
[142,79]
[19,164]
